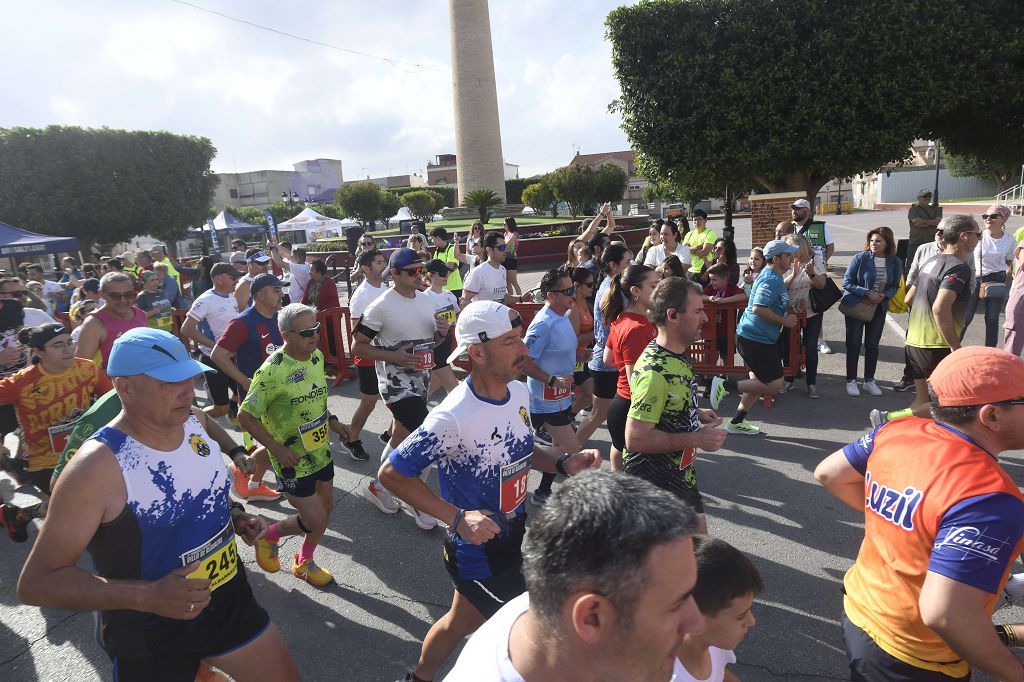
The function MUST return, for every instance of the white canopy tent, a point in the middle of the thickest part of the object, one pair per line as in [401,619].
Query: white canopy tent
[405,214]
[317,226]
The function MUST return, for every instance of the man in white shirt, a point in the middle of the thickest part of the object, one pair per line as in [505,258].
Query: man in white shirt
[293,262]
[609,589]
[52,292]
[487,282]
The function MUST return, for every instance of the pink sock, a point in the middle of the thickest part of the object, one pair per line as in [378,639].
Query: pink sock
[306,552]
[272,534]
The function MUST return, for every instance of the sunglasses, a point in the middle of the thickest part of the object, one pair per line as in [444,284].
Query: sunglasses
[500,247]
[308,332]
[990,216]
[567,292]
[117,296]
[414,272]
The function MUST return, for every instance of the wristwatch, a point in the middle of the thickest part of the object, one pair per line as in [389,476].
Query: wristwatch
[560,464]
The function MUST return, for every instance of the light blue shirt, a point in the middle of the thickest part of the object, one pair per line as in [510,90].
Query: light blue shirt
[768,291]
[551,343]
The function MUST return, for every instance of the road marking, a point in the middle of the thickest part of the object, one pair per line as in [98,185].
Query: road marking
[895,326]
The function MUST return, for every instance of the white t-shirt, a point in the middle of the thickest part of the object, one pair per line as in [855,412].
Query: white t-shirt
[212,313]
[485,656]
[489,283]
[298,280]
[996,252]
[445,304]
[364,295]
[52,290]
[656,255]
[397,321]
[35,317]
[719,659]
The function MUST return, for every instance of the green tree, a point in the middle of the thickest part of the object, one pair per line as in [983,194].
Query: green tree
[482,200]
[609,183]
[389,204]
[362,201]
[538,196]
[803,91]
[100,184]
[1006,173]
[421,205]
[575,185]
[514,188]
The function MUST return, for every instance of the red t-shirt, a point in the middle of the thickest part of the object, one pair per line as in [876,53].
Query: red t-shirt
[628,335]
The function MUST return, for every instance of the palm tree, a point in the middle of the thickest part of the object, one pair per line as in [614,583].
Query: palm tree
[481,200]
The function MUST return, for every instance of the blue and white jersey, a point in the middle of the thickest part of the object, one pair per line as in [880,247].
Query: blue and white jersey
[213,312]
[597,363]
[483,450]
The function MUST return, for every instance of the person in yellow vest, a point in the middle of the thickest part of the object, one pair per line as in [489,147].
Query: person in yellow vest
[941,527]
[448,252]
[159,252]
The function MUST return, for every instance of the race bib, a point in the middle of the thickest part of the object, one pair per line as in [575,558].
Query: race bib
[313,434]
[513,484]
[556,392]
[164,321]
[424,353]
[59,436]
[447,313]
[219,556]
[579,367]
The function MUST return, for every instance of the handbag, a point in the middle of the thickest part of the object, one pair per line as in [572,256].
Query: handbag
[991,289]
[863,311]
[826,297]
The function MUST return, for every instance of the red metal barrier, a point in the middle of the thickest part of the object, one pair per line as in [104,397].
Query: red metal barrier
[336,341]
[704,352]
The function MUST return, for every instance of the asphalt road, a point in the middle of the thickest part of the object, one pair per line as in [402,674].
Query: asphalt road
[391,585]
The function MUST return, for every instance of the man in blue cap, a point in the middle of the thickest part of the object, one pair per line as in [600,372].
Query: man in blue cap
[757,331]
[247,341]
[399,331]
[148,496]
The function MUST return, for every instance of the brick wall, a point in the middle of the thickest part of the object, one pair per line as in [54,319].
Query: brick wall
[767,211]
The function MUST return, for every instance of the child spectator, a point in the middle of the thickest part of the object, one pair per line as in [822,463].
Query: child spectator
[727,583]
[754,267]
[721,290]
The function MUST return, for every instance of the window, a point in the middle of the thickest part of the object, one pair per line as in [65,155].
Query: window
[233,193]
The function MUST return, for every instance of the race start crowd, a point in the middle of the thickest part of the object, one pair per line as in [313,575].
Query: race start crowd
[616,577]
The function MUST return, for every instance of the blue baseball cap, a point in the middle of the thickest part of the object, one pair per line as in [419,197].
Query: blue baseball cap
[403,257]
[155,353]
[778,247]
[264,280]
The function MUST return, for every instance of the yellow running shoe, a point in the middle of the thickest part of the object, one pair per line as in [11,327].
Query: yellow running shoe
[311,573]
[266,556]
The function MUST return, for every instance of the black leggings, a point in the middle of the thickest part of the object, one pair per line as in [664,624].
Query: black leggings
[617,422]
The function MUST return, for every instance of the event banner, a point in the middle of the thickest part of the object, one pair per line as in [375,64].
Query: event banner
[213,238]
[271,224]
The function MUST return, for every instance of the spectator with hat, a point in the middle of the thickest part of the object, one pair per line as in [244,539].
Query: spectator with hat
[941,526]
[257,262]
[923,220]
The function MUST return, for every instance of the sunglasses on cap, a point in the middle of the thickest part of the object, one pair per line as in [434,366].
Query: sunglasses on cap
[308,332]
[990,216]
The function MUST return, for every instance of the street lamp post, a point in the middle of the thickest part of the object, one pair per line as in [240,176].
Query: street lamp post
[290,197]
[839,197]
[935,194]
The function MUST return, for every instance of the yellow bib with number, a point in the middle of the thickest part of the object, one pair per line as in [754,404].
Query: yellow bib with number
[218,556]
[313,434]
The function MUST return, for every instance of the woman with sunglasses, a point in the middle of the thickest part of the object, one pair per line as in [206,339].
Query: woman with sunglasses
[511,261]
[476,236]
[48,396]
[992,260]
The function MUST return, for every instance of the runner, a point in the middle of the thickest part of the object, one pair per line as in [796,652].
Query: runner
[582,320]
[664,425]
[257,263]
[148,496]
[246,343]
[942,526]
[551,357]
[286,411]
[614,260]
[118,315]
[488,281]
[48,396]
[153,302]
[372,264]
[446,304]
[398,331]
[758,331]
[610,574]
[206,321]
[624,306]
[481,440]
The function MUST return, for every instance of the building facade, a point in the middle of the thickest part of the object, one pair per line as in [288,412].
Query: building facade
[626,160]
[308,180]
[444,172]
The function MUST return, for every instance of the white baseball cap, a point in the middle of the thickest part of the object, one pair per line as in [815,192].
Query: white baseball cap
[800,203]
[481,321]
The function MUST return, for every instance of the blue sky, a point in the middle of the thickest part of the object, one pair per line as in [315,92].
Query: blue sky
[266,100]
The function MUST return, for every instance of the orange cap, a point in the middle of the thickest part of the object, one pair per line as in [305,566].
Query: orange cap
[977,375]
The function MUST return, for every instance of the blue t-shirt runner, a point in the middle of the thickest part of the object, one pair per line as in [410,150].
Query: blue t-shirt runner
[768,291]
[551,341]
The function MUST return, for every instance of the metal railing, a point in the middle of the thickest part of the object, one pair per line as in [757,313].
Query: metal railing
[1013,198]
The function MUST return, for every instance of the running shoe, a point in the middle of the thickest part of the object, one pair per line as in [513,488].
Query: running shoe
[543,436]
[878,417]
[15,520]
[266,556]
[311,573]
[424,520]
[823,347]
[787,386]
[239,482]
[261,492]
[903,385]
[851,389]
[812,392]
[381,498]
[872,388]
[385,437]
[744,428]
[356,451]
[539,498]
[717,392]
[1014,589]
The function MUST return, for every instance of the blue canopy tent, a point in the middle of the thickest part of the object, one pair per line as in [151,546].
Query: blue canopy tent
[16,242]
